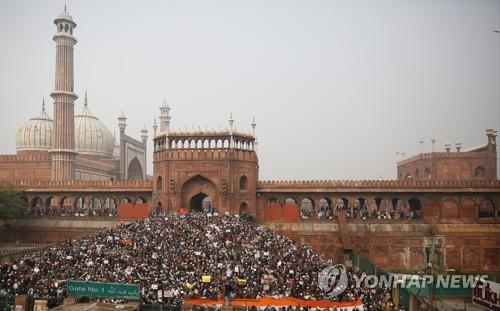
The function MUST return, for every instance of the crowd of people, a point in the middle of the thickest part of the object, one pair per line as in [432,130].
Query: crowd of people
[357,212]
[40,211]
[176,257]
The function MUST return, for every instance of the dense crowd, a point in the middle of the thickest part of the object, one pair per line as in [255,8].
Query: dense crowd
[174,257]
[40,211]
[357,212]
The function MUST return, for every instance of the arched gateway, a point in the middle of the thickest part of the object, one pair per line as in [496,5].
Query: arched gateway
[200,194]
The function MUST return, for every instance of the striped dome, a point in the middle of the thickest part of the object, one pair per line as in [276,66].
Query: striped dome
[91,136]
[36,134]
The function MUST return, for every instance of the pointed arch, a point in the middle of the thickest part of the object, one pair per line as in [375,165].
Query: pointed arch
[243,183]
[159,183]
[135,170]
[195,189]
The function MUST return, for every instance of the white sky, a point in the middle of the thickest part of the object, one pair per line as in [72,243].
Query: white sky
[336,87]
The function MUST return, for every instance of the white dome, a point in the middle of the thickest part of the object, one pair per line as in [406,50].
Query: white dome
[91,136]
[64,17]
[36,134]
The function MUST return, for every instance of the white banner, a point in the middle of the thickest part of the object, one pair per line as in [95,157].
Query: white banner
[487,296]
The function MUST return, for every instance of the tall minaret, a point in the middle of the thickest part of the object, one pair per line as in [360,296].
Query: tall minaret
[63,141]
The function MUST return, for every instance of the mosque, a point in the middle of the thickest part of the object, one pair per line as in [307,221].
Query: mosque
[71,165]
[72,146]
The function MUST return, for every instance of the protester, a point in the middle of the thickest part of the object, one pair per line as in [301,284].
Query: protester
[176,257]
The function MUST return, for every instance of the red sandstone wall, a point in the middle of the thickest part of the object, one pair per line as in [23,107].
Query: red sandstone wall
[282,213]
[405,249]
[128,211]
[35,166]
[448,166]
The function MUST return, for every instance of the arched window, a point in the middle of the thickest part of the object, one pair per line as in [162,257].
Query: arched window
[306,208]
[61,26]
[140,200]
[159,183]
[66,28]
[479,171]
[243,208]
[134,169]
[325,209]
[272,201]
[428,173]
[415,208]
[243,183]
[487,208]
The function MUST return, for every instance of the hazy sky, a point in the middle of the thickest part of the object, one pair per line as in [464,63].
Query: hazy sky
[336,87]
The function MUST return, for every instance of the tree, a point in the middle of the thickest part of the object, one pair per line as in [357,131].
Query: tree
[12,204]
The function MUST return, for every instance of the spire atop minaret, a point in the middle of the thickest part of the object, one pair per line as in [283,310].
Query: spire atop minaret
[155,127]
[86,103]
[144,134]
[231,123]
[65,7]
[43,104]
[253,126]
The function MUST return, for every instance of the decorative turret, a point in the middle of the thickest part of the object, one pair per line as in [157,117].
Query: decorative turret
[492,136]
[155,127]
[164,117]
[447,147]
[122,123]
[144,135]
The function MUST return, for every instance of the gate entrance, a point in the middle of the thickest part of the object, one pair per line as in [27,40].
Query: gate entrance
[201,203]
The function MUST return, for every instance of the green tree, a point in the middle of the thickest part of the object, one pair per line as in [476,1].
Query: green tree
[12,204]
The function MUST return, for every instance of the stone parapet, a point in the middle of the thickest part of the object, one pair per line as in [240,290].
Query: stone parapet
[87,185]
[377,185]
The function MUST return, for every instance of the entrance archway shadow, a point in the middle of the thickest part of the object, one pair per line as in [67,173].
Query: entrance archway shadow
[200,194]
[201,203]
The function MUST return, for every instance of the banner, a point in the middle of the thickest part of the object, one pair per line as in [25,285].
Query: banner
[281,302]
[487,294]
